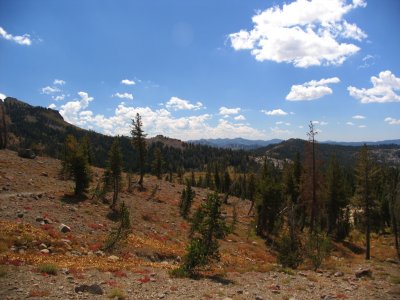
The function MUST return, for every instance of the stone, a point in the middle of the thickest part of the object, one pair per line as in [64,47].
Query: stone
[42,246]
[338,274]
[392,261]
[39,219]
[45,251]
[259,298]
[363,273]
[20,215]
[45,174]
[161,295]
[100,253]
[64,228]
[113,258]
[94,289]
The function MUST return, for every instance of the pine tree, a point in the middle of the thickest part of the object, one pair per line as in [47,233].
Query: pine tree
[3,126]
[336,199]
[139,142]
[217,180]
[365,173]
[227,182]
[269,202]
[86,149]
[158,163]
[207,227]
[121,233]
[314,205]
[187,197]
[70,149]
[80,172]
[115,167]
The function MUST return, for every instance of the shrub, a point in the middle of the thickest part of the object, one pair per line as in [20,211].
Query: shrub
[116,294]
[289,252]
[317,248]
[47,268]
[121,232]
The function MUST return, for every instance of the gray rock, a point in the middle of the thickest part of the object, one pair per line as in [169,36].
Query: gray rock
[20,215]
[363,273]
[338,274]
[45,251]
[64,228]
[94,289]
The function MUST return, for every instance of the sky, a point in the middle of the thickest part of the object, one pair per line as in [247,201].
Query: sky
[209,69]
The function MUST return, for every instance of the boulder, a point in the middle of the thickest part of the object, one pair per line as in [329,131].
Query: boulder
[94,289]
[363,273]
[64,228]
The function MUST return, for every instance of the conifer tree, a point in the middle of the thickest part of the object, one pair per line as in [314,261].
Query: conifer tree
[336,200]
[365,173]
[80,172]
[70,148]
[217,180]
[3,126]
[121,233]
[158,163]
[227,182]
[314,205]
[207,227]
[115,167]
[187,197]
[139,142]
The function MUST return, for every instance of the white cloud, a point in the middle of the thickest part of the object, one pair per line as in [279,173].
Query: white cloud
[362,126]
[19,39]
[240,118]
[2,96]
[275,112]
[304,33]
[392,121]
[52,106]
[358,117]
[383,90]
[321,123]
[128,82]
[229,111]
[70,110]
[311,90]
[350,123]
[58,97]
[123,96]
[50,90]
[59,82]
[180,104]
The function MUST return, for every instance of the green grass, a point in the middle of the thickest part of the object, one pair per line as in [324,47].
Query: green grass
[50,269]
[116,293]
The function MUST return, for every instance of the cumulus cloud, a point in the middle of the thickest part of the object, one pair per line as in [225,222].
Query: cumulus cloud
[240,118]
[358,117]
[392,121]
[59,82]
[175,103]
[58,97]
[52,106]
[70,110]
[304,33]
[2,96]
[311,90]
[228,111]
[50,90]
[275,112]
[19,39]
[123,96]
[128,82]
[350,123]
[384,88]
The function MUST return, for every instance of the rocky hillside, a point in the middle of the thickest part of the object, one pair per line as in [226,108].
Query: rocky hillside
[50,247]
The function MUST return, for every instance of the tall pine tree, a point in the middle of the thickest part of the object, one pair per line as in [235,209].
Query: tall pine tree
[139,142]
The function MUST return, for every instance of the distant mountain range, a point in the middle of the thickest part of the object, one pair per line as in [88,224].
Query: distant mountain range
[44,128]
[237,143]
[245,144]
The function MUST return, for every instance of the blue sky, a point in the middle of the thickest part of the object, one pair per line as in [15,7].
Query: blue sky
[209,69]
